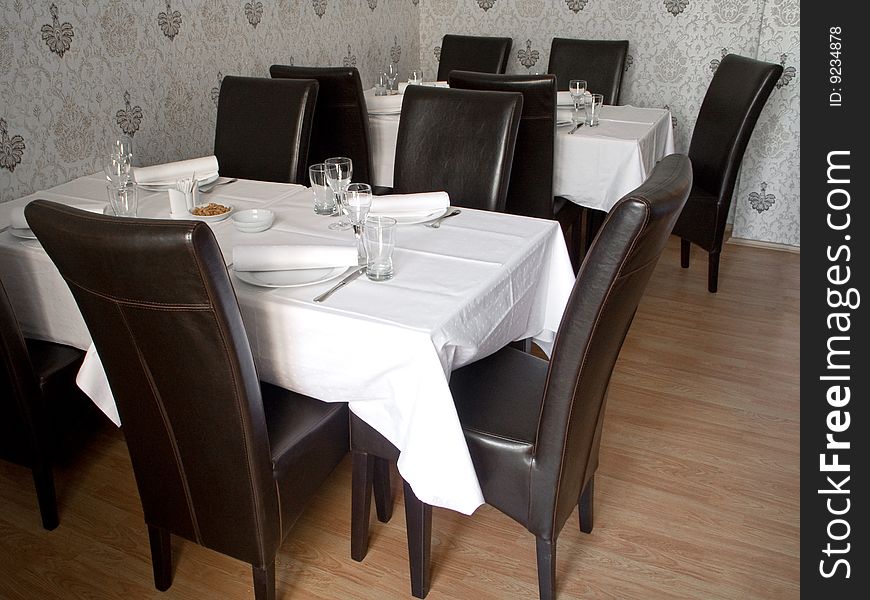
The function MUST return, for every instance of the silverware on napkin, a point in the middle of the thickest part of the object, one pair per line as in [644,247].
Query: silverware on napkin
[347,279]
[437,222]
[205,189]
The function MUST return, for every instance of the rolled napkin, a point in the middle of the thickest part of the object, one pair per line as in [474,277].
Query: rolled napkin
[18,221]
[564,98]
[409,204]
[289,257]
[205,168]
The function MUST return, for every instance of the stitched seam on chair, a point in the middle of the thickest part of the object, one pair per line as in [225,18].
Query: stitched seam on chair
[168,427]
[166,306]
[500,437]
[584,360]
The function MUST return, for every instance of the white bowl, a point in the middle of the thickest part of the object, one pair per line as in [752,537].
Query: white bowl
[253,220]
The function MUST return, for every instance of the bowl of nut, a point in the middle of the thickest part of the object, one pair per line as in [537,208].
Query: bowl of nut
[210,212]
[253,220]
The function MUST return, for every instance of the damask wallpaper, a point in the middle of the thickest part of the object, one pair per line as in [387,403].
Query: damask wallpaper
[72,73]
[674,48]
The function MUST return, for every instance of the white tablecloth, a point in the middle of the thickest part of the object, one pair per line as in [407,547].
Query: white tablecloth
[594,167]
[460,292]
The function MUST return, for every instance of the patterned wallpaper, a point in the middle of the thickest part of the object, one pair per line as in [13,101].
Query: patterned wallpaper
[674,48]
[72,73]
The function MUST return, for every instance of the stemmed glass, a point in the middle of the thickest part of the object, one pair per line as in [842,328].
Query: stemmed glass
[577,88]
[338,172]
[392,73]
[119,168]
[357,202]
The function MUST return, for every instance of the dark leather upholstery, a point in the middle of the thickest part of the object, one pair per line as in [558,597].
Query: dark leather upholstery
[726,119]
[600,62]
[219,459]
[341,122]
[536,459]
[481,54]
[458,141]
[34,377]
[264,128]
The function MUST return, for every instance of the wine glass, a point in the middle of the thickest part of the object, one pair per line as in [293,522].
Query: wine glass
[392,73]
[357,202]
[119,168]
[338,173]
[577,88]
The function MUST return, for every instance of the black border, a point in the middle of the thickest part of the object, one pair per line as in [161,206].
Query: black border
[824,129]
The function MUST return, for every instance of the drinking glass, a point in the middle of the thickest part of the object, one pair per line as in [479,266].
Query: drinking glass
[357,202]
[392,74]
[577,88]
[381,84]
[380,239]
[119,168]
[124,200]
[324,200]
[593,109]
[338,173]
[415,77]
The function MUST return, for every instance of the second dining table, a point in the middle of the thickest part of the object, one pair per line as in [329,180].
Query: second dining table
[460,292]
[593,167]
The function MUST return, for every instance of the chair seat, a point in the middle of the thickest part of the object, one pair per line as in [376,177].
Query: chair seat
[53,362]
[498,400]
[307,438]
[695,222]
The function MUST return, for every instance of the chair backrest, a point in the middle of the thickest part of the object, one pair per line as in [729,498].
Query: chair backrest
[164,318]
[530,192]
[341,122]
[609,286]
[482,54]
[458,141]
[600,62]
[728,114]
[264,128]
[21,403]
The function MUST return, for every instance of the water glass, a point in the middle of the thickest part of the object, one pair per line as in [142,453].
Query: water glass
[391,72]
[357,202]
[338,173]
[577,89]
[381,85]
[124,200]
[324,199]
[415,77]
[379,234]
[593,109]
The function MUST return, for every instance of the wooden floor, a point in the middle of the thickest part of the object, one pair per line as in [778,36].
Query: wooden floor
[696,494]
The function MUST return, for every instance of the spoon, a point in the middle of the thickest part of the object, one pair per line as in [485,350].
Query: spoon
[437,222]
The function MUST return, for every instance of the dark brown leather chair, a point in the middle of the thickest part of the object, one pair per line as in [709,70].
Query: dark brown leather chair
[458,141]
[35,377]
[341,122]
[219,458]
[263,128]
[482,54]
[600,62]
[726,119]
[530,192]
[534,429]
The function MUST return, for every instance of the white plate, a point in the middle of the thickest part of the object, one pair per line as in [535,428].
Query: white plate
[414,218]
[213,219]
[160,186]
[24,234]
[292,278]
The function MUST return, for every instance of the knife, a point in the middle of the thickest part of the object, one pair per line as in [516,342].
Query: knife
[347,279]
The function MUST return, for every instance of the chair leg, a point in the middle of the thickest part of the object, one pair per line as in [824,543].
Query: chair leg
[418,522]
[713,272]
[161,557]
[546,550]
[361,502]
[585,506]
[685,251]
[43,480]
[264,582]
[383,489]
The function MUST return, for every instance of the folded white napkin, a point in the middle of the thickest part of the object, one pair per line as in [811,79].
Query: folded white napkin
[17,220]
[564,98]
[205,168]
[409,204]
[287,257]
[384,105]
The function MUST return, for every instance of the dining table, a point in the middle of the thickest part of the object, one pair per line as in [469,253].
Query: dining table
[592,166]
[460,292]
